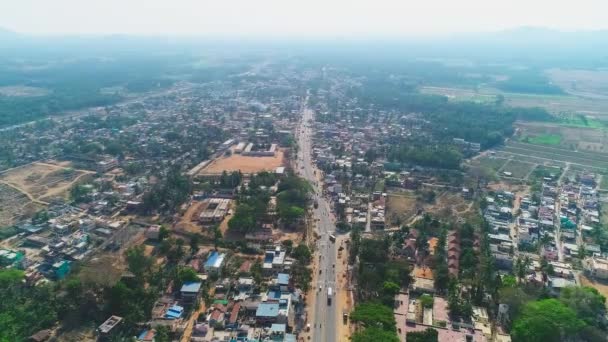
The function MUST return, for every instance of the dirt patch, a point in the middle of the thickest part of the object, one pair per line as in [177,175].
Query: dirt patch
[601,287]
[42,181]
[246,164]
[15,205]
[400,206]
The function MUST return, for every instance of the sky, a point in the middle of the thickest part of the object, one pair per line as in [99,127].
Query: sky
[297,17]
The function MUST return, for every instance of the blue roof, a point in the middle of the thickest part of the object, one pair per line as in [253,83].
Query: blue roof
[174,312]
[215,259]
[283,278]
[278,328]
[191,286]
[267,310]
[289,338]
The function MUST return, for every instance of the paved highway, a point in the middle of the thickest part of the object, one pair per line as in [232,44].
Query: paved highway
[324,322]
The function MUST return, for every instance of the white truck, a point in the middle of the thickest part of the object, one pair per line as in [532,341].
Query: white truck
[329,293]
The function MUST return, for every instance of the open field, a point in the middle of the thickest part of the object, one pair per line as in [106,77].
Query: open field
[23,91]
[556,104]
[580,138]
[42,181]
[15,205]
[246,164]
[555,155]
[460,94]
[587,83]
[400,206]
[604,183]
[545,139]
[518,169]
[492,162]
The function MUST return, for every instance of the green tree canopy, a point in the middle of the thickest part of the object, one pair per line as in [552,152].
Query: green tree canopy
[374,315]
[546,320]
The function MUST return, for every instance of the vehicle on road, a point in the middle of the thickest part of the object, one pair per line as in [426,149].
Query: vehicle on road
[329,293]
[332,238]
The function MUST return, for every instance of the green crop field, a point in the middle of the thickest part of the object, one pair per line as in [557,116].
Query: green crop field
[545,139]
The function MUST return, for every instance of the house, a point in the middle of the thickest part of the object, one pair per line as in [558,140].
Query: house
[214,262]
[274,261]
[281,282]
[596,267]
[217,316]
[147,335]
[189,292]
[153,232]
[174,312]
[41,336]
[268,313]
[232,322]
[109,327]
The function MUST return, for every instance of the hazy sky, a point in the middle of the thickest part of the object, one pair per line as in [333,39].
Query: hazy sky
[301,17]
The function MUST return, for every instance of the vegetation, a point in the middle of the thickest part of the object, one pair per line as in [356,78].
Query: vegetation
[428,335]
[545,139]
[546,320]
[374,334]
[374,315]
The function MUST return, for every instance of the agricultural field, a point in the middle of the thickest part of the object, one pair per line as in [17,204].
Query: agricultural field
[460,94]
[552,155]
[556,104]
[40,182]
[246,164]
[587,83]
[564,136]
[544,139]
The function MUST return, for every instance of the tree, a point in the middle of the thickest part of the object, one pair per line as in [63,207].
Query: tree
[428,335]
[139,264]
[374,334]
[302,254]
[390,289]
[194,241]
[163,233]
[587,303]
[186,274]
[374,315]
[546,320]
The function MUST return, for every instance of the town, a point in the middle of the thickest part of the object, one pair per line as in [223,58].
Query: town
[296,203]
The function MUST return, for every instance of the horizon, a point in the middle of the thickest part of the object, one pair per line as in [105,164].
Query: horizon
[313,19]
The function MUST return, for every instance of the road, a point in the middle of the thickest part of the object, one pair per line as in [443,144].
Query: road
[325,315]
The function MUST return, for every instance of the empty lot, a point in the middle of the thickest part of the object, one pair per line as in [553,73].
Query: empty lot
[245,164]
[42,181]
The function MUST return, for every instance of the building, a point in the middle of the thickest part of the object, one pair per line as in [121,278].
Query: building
[268,313]
[597,267]
[189,292]
[214,262]
[214,210]
[109,327]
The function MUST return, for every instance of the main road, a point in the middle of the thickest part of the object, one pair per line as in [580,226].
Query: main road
[324,322]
